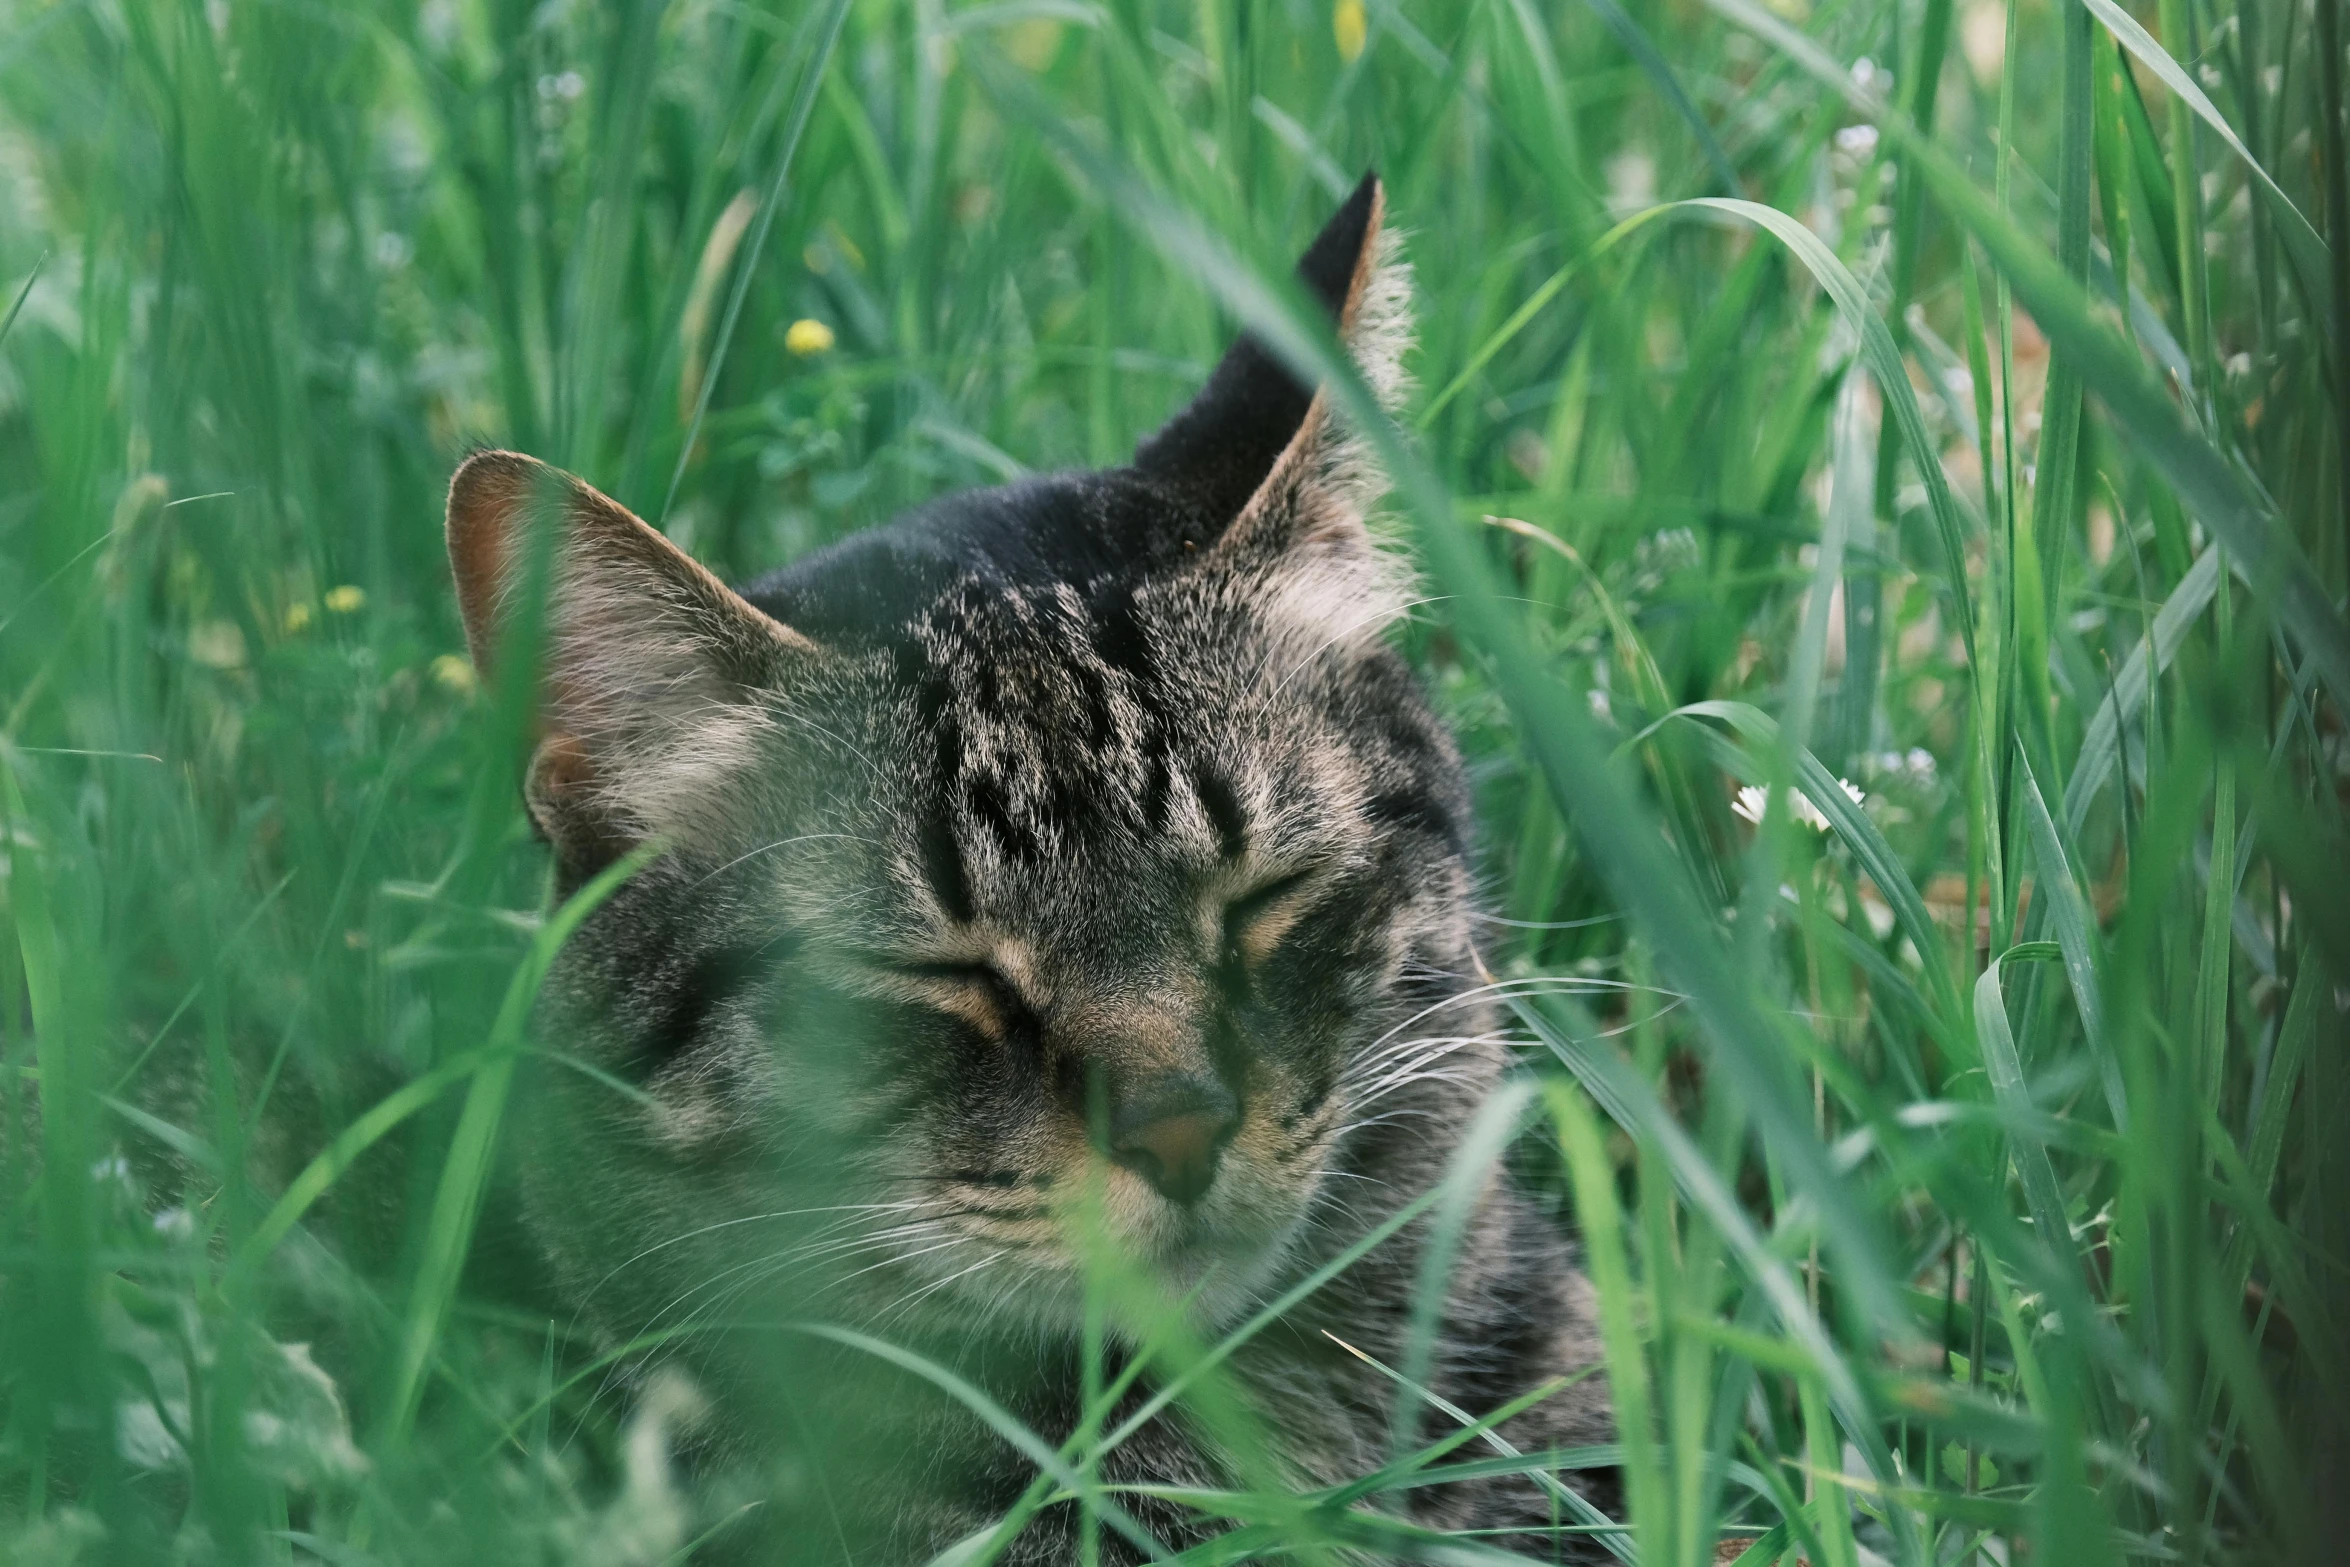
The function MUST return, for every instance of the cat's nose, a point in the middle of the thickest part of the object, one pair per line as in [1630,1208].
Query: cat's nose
[1171,1131]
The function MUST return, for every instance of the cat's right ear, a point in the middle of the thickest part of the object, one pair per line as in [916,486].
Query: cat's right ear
[653,672]
[1258,451]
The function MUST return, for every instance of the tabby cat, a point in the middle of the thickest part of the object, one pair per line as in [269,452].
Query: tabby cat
[1070,859]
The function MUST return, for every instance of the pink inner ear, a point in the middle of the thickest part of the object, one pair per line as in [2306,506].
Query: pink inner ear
[560,766]
[485,496]
[490,496]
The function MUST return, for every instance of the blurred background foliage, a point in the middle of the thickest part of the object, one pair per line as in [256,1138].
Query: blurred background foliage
[2043,991]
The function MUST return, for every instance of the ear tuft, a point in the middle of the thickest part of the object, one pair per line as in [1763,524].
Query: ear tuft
[1300,547]
[653,668]
[1378,326]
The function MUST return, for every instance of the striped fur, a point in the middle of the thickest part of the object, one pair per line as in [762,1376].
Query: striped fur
[973,823]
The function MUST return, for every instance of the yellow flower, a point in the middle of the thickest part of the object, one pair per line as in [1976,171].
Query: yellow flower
[297,619]
[807,336]
[455,673]
[346,600]
[1351,27]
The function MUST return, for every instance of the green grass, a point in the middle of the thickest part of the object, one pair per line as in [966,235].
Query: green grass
[1963,1171]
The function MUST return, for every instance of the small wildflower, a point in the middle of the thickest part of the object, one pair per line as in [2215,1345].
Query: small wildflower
[807,336]
[1752,802]
[1351,27]
[455,673]
[297,619]
[1914,767]
[347,599]
[1858,140]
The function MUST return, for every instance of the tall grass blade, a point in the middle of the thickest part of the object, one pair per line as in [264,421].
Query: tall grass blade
[2308,251]
[465,1170]
[2260,550]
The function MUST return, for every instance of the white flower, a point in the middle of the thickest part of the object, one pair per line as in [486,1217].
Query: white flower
[1914,767]
[1631,182]
[1752,802]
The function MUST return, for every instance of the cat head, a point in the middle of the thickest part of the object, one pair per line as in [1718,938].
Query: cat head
[1071,859]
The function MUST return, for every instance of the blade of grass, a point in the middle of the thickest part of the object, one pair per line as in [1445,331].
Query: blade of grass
[16,309]
[1467,1179]
[466,1169]
[2076,937]
[1600,1217]
[999,1420]
[1851,823]
[1609,1534]
[812,75]
[1643,51]
[2259,548]
[2005,1069]
[2310,257]
[2100,747]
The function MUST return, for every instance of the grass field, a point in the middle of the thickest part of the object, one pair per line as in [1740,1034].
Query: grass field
[1962,1167]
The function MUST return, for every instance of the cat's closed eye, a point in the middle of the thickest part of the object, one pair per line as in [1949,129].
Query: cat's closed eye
[1255,922]
[977,992]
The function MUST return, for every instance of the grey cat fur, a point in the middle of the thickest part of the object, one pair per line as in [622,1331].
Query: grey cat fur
[977,830]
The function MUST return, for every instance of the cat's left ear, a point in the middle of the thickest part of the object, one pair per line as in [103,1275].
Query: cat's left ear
[655,672]
[1266,456]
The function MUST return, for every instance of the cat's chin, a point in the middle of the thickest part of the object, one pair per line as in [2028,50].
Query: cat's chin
[1213,1276]
[1217,1272]
[1217,1287]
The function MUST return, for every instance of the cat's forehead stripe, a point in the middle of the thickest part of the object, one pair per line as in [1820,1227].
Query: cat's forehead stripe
[1047,709]
[1222,803]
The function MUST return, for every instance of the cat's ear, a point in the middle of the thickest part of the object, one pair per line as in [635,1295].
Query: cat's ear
[652,668]
[1261,452]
